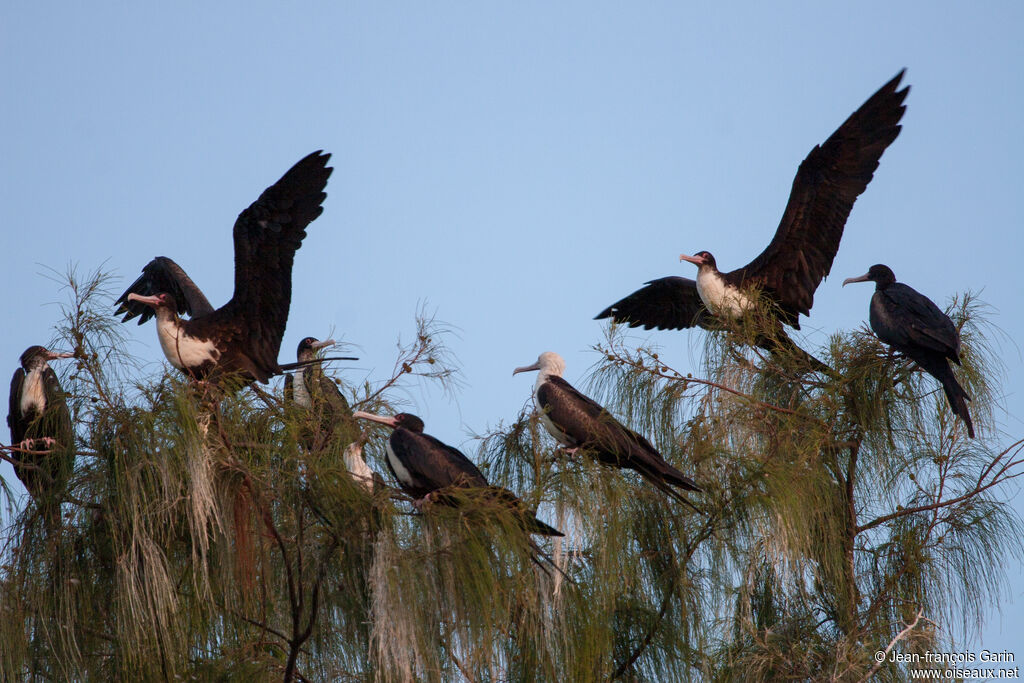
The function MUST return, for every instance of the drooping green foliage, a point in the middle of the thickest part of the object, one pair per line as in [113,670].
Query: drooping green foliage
[204,538]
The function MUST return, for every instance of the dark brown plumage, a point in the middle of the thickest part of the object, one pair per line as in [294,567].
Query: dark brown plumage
[800,255]
[427,467]
[243,336]
[39,420]
[578,422]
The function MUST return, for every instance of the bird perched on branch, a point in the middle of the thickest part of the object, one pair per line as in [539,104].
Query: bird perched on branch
[579,423]
[912,324]
[310,389]
[431,470]
[787,273]
[327,410]
[242,337]
[41,429]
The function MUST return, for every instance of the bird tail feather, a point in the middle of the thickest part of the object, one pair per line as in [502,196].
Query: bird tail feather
[955,394]
[658,480]
[958,398]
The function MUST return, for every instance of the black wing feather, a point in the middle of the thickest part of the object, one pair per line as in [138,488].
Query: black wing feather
[327,389]
[668,303]
[289,388]
[266,236]
[911,323]
[827,183]
[592,427]
[906,319]
[163,276]
[432,463]
[15,420]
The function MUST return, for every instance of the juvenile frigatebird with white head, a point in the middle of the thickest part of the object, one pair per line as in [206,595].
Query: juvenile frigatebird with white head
[41,428]
[578,422]
[425,467]
[242,337]
[787,273]
[912,324]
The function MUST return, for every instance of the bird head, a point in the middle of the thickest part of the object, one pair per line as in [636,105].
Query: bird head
[399,421]
[309,346]
[880,274]
[37,356]
[702,259]
[162,303]
[549,363]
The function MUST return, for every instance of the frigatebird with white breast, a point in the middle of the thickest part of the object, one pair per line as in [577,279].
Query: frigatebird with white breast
[426,467]
[309,388]
[789,270]
[242,337]
[580,423]
[41,427]
[912,324]
[316,394]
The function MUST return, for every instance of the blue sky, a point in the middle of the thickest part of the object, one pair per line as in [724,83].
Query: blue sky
[516,168]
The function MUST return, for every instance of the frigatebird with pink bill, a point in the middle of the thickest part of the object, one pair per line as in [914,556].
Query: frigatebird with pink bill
[787,273]
[243,337]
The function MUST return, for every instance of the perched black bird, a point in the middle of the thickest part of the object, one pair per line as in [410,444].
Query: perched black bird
[425,466]
[789,270]
[243,336]
[328,410]
[911,323]
[311,389]
[40,421]
[577,422]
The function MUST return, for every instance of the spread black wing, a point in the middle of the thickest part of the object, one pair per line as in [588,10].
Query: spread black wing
[668,303]
[593,428]
[827,183]
[266,236]
[163,276]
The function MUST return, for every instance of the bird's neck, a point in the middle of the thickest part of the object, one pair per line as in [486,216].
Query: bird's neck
[543,375]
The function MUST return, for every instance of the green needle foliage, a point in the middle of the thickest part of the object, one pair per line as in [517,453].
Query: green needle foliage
[206,536]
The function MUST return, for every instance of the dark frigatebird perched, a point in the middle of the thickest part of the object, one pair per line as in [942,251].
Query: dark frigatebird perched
[424,466]
[39,421]
[243,336]
[578,422]
[911,323]
[317,394]
[789,270]
[310,388]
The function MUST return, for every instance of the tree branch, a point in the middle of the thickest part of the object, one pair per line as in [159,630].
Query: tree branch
[892,643]
[998,477]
